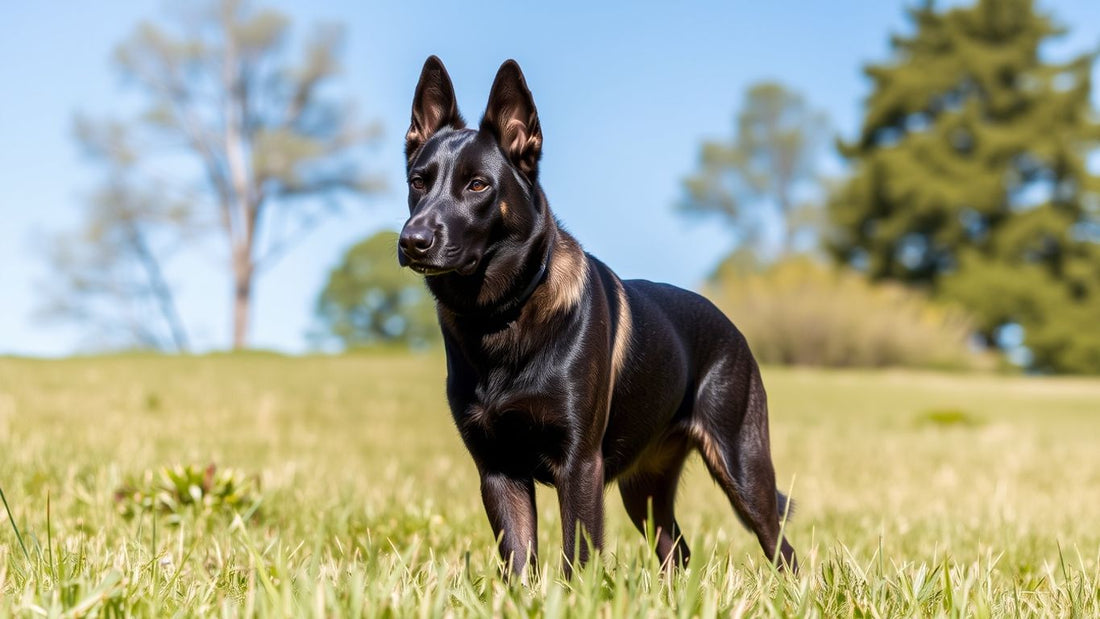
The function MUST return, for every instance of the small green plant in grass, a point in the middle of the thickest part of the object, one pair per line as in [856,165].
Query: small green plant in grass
[948,417]
[187,489]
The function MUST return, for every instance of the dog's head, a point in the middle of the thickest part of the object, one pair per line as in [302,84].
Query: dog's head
[473,195]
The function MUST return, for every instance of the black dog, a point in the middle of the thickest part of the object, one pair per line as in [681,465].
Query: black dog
[557,370]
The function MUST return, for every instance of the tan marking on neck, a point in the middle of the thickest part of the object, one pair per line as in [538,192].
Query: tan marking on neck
[567,277]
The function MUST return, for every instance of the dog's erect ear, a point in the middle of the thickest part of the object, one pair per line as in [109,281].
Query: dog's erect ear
[434,106]
[511,116]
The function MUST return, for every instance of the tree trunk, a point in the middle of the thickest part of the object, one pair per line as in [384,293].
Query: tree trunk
[242,297]
[247,206]
[786,244]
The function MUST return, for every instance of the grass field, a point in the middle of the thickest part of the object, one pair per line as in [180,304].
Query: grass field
[918,494]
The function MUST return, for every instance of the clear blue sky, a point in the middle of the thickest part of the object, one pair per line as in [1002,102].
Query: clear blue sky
[625,93]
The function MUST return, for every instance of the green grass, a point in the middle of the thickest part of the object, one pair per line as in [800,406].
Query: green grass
[918,494]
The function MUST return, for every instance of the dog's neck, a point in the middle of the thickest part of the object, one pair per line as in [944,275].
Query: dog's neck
[537,280]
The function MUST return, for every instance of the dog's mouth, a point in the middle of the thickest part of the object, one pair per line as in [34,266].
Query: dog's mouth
[427,269]
[468,267]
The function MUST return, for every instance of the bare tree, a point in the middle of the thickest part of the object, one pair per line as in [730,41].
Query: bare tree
[255,146]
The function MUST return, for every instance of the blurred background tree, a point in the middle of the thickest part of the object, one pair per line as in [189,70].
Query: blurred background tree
[369,299]
[765,177]
[272,153]
[970,180]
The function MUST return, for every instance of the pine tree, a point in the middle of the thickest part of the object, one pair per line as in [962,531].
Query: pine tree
[970,178]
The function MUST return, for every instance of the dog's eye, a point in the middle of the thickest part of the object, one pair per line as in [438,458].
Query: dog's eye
[417,183]
[477,185]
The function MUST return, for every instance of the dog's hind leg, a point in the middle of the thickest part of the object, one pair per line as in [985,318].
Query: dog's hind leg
[731,432]
[653,486]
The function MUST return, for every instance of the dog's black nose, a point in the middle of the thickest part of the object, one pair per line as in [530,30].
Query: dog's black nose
[416,241]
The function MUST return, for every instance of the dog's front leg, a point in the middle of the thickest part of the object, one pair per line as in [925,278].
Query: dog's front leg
[580,494]
[510,505]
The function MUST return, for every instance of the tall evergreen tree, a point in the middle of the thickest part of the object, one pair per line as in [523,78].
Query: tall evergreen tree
[970,177]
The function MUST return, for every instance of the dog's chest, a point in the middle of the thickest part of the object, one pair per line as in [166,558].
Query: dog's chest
[521,427]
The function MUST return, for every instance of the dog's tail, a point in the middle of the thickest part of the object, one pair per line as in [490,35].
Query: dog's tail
[786,506]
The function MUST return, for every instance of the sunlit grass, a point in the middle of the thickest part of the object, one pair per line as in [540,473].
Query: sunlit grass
[918,494]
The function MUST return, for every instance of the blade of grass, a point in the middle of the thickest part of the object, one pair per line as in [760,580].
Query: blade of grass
[49,539]
[11,517]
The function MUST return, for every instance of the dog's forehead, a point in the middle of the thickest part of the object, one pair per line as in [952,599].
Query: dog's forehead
[456,139]
[456,146]
[445,144]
